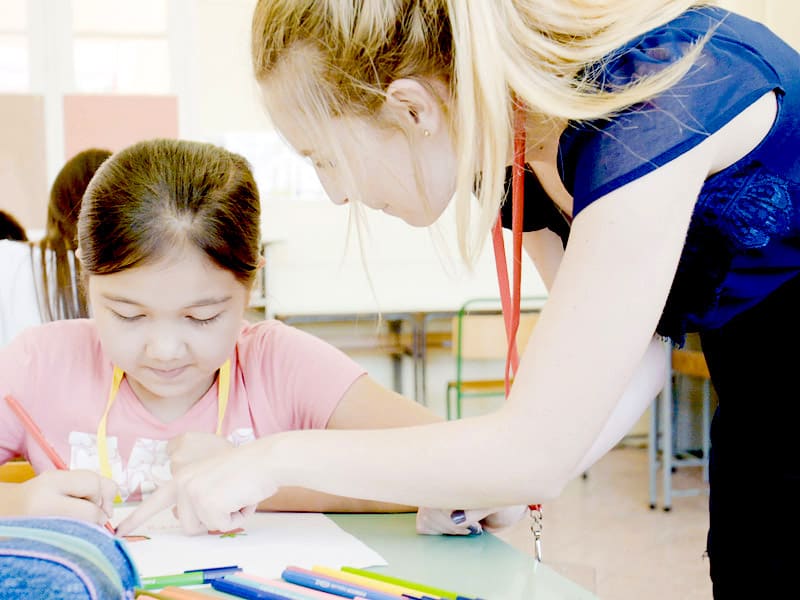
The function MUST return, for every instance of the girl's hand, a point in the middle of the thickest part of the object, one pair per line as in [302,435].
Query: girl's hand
[191,447]
[432,521]
[76,494]
[216,493]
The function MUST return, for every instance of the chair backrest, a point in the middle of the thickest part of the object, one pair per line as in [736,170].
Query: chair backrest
[483,336]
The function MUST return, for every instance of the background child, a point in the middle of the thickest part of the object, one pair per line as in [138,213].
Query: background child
[169,244]
[662,141]
[11,229]
[41,278]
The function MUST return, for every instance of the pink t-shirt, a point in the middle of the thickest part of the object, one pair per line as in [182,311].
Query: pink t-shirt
[281,379]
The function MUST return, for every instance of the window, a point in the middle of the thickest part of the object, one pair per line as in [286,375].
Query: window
[14,68]
[121,46]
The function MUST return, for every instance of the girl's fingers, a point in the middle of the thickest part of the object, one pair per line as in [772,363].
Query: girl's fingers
[86,485]
[79,508]
[163,498]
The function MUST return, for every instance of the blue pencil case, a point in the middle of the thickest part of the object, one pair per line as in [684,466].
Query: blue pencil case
[52,558]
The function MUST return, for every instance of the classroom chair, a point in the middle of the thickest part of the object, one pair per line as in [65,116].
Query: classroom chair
[479,334]
[16,471]
[681,364]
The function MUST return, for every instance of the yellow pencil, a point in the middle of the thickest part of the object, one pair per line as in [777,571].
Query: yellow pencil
[381,586]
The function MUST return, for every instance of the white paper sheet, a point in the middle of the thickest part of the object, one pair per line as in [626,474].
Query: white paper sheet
[270,543]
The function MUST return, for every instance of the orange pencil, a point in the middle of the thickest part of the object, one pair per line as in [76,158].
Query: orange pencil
[37,434]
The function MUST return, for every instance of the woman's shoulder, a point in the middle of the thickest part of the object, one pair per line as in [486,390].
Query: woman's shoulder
[737,65]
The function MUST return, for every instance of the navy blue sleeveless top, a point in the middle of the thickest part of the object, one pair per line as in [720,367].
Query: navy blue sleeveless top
[744,237]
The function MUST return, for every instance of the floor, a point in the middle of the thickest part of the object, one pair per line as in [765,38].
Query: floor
[602,533]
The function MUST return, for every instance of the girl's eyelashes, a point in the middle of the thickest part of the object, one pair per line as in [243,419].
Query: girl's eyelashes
[207,321]
[127,319]
[194,320]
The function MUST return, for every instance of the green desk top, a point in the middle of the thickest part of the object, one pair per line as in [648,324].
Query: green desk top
[478,566]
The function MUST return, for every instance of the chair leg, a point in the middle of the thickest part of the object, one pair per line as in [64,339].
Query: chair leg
[666,435]
[652,451]
[448,401]
[706,427]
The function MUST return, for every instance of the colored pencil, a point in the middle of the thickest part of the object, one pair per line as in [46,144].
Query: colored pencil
[317,581]
[280,583]
[381,586]
[418,587]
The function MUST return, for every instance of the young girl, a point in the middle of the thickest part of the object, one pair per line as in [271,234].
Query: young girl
[168,370]
[42,277]
[662,140]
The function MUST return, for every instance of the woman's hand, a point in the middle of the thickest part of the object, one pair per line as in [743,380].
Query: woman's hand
[432,521]
[216,493]
[76,494]
[192,447]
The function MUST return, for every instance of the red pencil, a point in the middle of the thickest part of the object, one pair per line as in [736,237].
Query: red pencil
[37,434]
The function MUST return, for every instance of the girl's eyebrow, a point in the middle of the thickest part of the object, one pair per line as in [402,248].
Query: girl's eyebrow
[202,302]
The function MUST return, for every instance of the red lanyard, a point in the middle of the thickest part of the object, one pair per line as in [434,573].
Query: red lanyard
[511,313]
[511,304]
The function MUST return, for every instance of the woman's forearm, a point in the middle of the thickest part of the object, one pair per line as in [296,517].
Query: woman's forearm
[295,499]
[641,391]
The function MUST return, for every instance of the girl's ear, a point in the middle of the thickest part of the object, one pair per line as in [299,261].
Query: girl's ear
[415,104]
[261,262]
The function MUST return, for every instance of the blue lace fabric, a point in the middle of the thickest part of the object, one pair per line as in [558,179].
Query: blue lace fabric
[744,237]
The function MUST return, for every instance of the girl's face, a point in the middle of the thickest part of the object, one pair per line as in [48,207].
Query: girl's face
[170,324]
[410,179]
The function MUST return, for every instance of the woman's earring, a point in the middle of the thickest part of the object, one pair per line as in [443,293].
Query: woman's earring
[426,133]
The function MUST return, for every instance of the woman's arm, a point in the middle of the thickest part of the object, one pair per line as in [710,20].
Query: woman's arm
[365,405]
[597,325]
[594,332]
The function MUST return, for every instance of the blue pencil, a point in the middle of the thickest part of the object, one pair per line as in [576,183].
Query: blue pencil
[316,581]
[253,592]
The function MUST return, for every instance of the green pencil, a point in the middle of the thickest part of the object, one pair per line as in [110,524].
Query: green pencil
[177,580]
[420,587]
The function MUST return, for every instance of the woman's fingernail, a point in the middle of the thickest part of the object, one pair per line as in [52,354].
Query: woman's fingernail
[458,517]
[474,530]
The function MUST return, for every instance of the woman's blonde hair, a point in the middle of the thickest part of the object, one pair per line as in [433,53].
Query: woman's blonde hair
[337,58]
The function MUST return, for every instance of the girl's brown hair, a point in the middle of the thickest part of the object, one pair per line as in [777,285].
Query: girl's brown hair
[60,296]
[159,194]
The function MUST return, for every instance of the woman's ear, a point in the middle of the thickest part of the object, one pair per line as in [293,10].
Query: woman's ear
[416,104]
[78,254]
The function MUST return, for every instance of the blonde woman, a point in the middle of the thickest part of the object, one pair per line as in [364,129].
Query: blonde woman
[661,197]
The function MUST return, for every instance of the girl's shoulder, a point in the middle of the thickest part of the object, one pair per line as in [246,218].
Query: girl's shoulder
[11,251]
[272,336]
[76,336]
